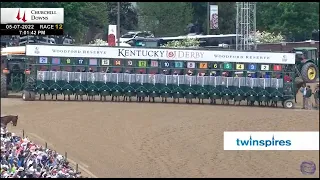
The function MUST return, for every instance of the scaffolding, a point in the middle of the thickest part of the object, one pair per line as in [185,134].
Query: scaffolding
[246,26]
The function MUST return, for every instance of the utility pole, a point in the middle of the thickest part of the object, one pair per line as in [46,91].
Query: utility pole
[118,24]
[208,15]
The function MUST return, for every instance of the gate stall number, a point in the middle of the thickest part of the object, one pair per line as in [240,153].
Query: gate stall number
[191,65]
[240,67]
[252,67]
[215,66]
[178,64]
[142,64]
[227,66]
[105,62]
[264,67]
[154,64]
[203,65]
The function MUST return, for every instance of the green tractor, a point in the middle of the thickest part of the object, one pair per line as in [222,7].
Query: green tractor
[307,64]
[13,74]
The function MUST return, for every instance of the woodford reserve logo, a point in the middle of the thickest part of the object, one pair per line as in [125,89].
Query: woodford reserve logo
[69,51]
[224,56]
[171,54]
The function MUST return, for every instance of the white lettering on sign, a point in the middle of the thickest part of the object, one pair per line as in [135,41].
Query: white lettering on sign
[130,53]
[166,64]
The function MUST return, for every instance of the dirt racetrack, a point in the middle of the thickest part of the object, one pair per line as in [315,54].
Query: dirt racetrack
[163,140]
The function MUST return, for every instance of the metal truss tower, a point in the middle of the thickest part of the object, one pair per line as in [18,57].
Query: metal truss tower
[246,25]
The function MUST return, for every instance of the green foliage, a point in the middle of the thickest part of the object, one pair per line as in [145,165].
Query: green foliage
[186,43]
[128,15]
[296,20]
[165,18]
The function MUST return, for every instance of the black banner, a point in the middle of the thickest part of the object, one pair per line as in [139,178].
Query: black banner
[37,32]
[32,26]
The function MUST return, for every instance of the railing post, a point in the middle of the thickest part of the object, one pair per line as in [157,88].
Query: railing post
[77,168]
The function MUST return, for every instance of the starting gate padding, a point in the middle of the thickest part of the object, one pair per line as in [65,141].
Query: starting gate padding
[161,83]
[177,73]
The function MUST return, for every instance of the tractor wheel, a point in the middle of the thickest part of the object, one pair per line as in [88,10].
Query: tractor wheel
[4,90]
[26,95]
[288,104]
[309,72]
[32,96]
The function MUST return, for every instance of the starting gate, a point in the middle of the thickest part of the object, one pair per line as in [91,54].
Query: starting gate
[167,73]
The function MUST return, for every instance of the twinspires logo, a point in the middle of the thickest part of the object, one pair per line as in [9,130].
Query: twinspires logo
[271,140]
[265,143]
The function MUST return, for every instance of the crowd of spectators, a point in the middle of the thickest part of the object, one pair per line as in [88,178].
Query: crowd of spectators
[21,158]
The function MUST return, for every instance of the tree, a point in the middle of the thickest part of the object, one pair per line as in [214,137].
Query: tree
[296,20]
[227,16]
[128,15]
[165,18]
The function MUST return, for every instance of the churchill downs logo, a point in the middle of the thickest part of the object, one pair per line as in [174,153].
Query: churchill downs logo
[168,54]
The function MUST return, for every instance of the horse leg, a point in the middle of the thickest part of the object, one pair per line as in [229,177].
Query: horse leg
[153,99]
[162,99]
[174,100]
[56,97]
[40,97]
[165,99]
[178,100]
[202,101]
[68,97]
[64,97]
[199,101]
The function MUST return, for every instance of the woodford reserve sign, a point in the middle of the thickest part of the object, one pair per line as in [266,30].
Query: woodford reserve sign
[159,54]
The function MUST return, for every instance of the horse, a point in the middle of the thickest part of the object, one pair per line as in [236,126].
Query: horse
[9,118]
